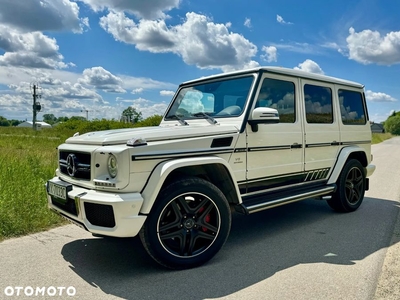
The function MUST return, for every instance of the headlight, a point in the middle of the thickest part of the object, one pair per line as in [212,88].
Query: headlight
[112,166]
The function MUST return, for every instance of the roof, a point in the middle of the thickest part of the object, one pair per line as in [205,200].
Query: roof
[284,71]
[43,124]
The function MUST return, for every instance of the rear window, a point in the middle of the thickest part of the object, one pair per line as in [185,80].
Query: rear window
[352,108]
[318,104]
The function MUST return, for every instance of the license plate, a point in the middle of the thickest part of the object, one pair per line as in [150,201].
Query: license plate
[58,191]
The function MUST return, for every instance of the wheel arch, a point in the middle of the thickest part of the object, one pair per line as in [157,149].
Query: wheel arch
[347,153]
[213,169]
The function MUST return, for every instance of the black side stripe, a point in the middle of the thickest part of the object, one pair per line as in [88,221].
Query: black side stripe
[180,154]
[334,143]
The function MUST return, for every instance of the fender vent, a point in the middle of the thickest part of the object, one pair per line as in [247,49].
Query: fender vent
[222,142]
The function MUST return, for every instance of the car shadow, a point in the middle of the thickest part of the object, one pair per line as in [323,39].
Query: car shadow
[259,245]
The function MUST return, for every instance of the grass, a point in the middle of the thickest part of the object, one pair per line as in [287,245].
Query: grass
[380,137]
[27,160]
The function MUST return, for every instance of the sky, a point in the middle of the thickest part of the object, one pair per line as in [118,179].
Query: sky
[95,58]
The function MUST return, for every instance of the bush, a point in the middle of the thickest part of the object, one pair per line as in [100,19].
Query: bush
[392,125]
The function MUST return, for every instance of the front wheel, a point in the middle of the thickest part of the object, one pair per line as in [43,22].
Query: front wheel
[350,188]
[188,224]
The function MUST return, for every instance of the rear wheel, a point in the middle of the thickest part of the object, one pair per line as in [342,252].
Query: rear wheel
[350,188]
[188,224]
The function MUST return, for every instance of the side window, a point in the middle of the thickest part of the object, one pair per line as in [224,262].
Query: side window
[318,100]
[278,94]
[352,108]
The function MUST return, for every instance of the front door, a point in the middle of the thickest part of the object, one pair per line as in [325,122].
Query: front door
[275,153]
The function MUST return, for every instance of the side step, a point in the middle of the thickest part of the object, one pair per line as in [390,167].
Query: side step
[266,201]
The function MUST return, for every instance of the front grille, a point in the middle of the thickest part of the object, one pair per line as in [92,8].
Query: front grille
[99,214]
[75,164]
[68,206]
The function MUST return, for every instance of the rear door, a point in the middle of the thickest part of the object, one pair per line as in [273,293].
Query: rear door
[322,136]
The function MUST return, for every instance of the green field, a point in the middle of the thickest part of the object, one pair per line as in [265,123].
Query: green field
[27,160]
[380,137]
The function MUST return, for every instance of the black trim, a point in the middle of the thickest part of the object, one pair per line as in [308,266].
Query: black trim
[283,147]
[275,182]
[319,145]
[337,144]
[251,99]
[355,142]
[283,181]
[180,154]
[222,142]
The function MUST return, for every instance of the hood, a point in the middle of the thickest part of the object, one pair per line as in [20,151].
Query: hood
[150,134]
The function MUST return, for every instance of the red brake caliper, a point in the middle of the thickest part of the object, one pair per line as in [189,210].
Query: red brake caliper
[206,219]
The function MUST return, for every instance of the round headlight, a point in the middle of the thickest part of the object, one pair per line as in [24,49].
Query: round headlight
[112,165]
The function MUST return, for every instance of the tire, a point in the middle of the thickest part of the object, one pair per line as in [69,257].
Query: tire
[188,224]
[350,189]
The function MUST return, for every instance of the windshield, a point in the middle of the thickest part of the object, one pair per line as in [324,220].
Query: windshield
[222,98]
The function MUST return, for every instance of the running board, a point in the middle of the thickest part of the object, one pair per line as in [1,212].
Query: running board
[276,200]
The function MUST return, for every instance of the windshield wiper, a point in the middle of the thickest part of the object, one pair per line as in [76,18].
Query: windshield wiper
[205,116]
[180,120]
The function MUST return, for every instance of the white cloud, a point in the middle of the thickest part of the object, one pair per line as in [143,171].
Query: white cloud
[146,107]
[167,93]
[41,15]
[279,19]
[102,79]
[378,97]
[207,45]
[370,46]
[31,49]
[270,54]
[66,93]
[380,117]
[247,22]
[137,91]
[309,66]
[133,83]
[148,9]
[297,47]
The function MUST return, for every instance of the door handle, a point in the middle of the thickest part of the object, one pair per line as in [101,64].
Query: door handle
[296,146]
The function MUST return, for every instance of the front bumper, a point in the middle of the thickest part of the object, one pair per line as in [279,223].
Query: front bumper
[102,213]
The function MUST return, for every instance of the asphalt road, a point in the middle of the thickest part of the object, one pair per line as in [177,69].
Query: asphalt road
[300,251]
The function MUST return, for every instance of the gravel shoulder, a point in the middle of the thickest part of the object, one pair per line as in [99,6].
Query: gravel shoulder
[388,284]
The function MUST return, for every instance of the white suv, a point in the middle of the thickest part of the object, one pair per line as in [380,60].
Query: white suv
[248,140]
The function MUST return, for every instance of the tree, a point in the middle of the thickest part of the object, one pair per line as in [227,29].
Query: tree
[131,115]
[78,118]
[392,125]
[15,122]
[62,119]
[49,118]
[4,121]
[151,121]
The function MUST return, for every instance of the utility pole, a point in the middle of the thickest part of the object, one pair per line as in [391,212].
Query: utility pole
[36,106]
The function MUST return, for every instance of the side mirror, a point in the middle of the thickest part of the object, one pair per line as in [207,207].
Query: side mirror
[263,115]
